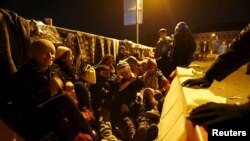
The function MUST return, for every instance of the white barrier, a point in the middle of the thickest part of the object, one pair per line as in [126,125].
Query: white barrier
[178,103]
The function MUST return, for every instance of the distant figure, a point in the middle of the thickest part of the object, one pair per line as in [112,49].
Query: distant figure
[183,48]
[163,50]
[222,48]
[204,49]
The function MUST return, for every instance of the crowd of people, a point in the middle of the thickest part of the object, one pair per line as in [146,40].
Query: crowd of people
[121,100]
[116,99]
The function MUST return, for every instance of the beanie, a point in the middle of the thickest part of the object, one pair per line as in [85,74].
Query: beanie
[61,50]
[122,64]
[102,67]
[131,59]
[181,26]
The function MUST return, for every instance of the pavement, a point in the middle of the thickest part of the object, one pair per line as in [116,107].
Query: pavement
[235,87]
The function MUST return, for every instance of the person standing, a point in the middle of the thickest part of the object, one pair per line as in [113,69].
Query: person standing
[163,50]
[204,49]
[183,48]
[222,48]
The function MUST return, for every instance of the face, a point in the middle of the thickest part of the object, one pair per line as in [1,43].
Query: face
[125,73]
[110,61]
[45,55]
[105,74]
[144,66]
[151,68]
[162,34]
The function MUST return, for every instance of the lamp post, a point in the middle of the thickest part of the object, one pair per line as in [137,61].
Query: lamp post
[133,14]
[137,22]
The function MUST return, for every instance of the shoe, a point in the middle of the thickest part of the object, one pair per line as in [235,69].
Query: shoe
[140,134]
[153,114]
[152,132]
[106,132]
[129,127]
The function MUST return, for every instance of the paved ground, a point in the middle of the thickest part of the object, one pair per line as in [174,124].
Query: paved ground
[235,87]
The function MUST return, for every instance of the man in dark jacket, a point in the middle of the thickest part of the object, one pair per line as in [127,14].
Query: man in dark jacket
[163,50]
[217,115]
[183,48]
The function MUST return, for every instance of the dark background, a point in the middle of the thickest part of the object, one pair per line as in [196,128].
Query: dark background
[105,17]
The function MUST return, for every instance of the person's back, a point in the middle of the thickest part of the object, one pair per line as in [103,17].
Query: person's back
[183,48]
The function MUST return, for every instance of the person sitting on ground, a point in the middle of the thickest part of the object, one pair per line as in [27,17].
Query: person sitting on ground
[103,101]
[64,60]
[108,60]
[134,64]
[122,53]
[37,101]
[131,107]
[154,79]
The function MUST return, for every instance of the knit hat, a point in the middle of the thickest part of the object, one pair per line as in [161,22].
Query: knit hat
[61,50]
[131,59]
[122,64]
[41,43]
[181,26]
[102,67]
[122,47]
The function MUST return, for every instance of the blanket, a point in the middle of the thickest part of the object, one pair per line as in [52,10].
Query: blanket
[14,42]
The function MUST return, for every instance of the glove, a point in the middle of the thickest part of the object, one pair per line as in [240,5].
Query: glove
[218,115]
[203,82]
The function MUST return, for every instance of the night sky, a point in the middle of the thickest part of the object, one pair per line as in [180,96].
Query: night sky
[105,17]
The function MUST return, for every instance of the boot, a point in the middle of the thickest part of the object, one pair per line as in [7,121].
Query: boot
[152,132]
[153,112]
[129,127]
[141,132]
[106,132]
[151,103]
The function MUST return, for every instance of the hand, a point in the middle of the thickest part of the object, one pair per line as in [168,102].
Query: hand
[119,78]
[139,98]
[214,115]
[201,82]
[69,86]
